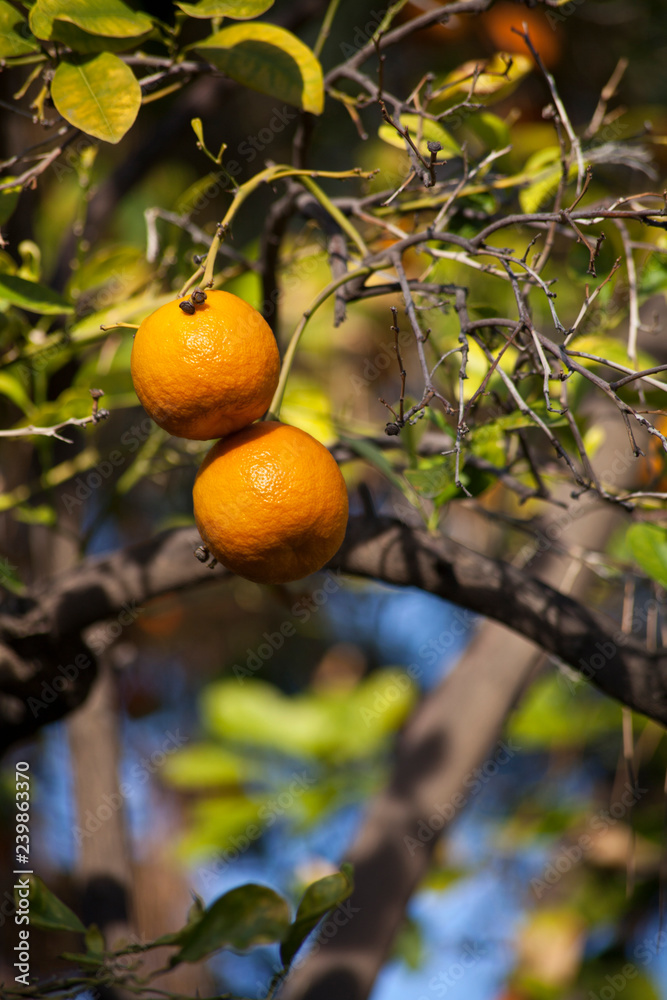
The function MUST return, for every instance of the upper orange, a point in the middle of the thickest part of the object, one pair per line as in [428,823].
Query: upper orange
[206,374]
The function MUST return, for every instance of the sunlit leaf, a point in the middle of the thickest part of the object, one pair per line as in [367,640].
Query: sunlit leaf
[648,545]
[307,405]
[116,270]
[217,820]
[609,349]
[15,37]
[9,199]
[40,514]
[206,765]
[491,130]
[373,710]
[97,17]
[488,442]
[560,712]
[544,170]
[46,911]
[498,77]
[86,43]
[32,296]
[342,724]
[99,95]
[653,277]
[270,59]
[318,899]
[257,712]
[238,10]
[202,192]
[13,389]
[243,918]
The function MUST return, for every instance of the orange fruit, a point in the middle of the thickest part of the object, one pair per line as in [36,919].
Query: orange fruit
[498,22]
[207,374]
[270,503]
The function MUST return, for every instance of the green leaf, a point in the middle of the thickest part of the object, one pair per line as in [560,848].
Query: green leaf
[341,724]
[653,277]
[433,477]
[257,712]
[195,913]
[366,449]
[648,545]
[216,820]
[427,131]
[15,37]
[9,577]
[550,716]
[87,961]
[94,941]
[9,198]
[97,17]
[544,170]
[269,59]
[81,41]
[116,270]
[41,514]
[46,911]
[12,389]
[238,10]
[518,419]
[609,349]
[493,84]
[99,95]
[487,441]
[318,899]
[489,129]
[207,765]
[32,296]
[243,918]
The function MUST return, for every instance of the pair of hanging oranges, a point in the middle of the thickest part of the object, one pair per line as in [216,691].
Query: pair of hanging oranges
[269,500]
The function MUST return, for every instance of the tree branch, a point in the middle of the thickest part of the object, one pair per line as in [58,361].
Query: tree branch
[42,634]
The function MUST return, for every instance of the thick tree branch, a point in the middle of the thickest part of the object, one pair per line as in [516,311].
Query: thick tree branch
[42,635]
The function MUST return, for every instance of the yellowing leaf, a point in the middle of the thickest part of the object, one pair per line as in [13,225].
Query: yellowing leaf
[99,95]
[98,17]
[495,81]
[268,59]
[609,349]
[544,170]
[9,197]
[15,37]
[238,10]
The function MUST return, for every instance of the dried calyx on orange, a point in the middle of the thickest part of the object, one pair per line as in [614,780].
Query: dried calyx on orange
[205,366]
[270,503]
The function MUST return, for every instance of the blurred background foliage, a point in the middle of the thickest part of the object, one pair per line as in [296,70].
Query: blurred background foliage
[293,743]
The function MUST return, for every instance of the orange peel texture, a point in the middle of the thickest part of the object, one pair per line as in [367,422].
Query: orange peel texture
[205,375]
[270,503]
